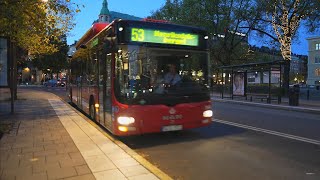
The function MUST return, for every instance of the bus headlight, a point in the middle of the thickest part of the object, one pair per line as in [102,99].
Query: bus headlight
[207,113]
[125,120]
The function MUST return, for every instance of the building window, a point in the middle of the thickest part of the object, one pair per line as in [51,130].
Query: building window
[317,46]
[317,60]
[317,72]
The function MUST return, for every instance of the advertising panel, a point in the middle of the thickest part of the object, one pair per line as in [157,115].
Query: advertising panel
[238,84]
[3,62]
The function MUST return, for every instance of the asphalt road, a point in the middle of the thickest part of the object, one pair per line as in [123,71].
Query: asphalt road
[226,152]
[221,151]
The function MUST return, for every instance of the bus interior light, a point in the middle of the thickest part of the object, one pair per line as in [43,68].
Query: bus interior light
[120,29]
[206,37]
[125,120]
[207,113]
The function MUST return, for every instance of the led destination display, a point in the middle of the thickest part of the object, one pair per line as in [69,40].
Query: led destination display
[164,37]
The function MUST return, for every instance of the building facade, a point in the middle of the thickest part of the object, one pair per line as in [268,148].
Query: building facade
[313,61]
[107,16]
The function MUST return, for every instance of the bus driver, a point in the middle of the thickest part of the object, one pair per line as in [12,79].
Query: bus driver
[172,77]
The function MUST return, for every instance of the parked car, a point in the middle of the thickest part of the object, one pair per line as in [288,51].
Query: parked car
[51,83]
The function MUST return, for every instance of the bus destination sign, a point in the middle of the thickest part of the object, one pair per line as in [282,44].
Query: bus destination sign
[164,37]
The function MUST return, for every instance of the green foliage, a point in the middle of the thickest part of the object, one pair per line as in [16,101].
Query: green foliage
[34,24]
[222,19]
[55,61]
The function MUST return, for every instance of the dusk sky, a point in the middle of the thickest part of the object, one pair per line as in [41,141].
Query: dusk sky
[142,8]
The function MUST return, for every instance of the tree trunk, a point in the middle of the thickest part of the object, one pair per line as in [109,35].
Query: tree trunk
[12,72]
[286,54]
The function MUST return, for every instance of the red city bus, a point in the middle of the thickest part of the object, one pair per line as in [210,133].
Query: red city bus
[136,77]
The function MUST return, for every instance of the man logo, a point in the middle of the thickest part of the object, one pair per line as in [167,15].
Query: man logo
[172,111]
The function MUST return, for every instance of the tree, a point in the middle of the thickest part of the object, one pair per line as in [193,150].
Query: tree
[281,20]
[221,18]
[32,24]
[283,17]
[56,61]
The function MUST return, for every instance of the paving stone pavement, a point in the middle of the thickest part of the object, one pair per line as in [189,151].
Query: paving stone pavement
[51,141]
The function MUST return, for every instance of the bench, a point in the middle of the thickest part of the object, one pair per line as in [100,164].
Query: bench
[262,97]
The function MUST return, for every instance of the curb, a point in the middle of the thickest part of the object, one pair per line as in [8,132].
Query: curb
[273,106]
[153,169]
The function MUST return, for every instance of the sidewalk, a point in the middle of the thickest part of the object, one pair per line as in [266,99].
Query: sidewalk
[312,106]
[50,140]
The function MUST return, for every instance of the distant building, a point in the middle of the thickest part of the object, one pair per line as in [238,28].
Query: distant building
[313,61]
[72,49]
[107,16]
[296,65]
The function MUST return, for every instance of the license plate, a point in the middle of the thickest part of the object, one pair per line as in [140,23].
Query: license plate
[172,128]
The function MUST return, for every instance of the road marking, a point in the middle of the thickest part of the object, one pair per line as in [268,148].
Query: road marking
[298,138]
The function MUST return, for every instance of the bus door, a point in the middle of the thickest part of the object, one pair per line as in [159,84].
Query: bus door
[105,91]
[79,91]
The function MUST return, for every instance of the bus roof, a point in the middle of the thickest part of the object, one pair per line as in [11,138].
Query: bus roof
[97,28]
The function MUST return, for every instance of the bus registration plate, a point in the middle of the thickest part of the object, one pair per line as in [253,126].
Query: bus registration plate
[172,128]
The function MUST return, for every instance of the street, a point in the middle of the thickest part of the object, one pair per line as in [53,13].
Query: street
[223,151]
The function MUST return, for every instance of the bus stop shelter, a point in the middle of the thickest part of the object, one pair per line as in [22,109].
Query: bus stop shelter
[262,81]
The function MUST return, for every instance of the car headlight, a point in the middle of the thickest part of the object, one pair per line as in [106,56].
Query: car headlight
[207,113]
[125,120]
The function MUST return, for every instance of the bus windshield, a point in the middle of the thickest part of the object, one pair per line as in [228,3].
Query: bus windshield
[146,75]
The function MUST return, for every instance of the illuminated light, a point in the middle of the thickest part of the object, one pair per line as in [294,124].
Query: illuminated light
[34,159]
[213,75]
[125,66]
[109,54]
[207,113]
[206,37]
[186,56]
[119,51]
[164,37]
[97,105]
[126,129]
[205,121]
[125,120]
[123,129]
[27,69]
[120,29]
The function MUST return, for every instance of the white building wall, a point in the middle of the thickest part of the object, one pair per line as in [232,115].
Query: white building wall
[313,66]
